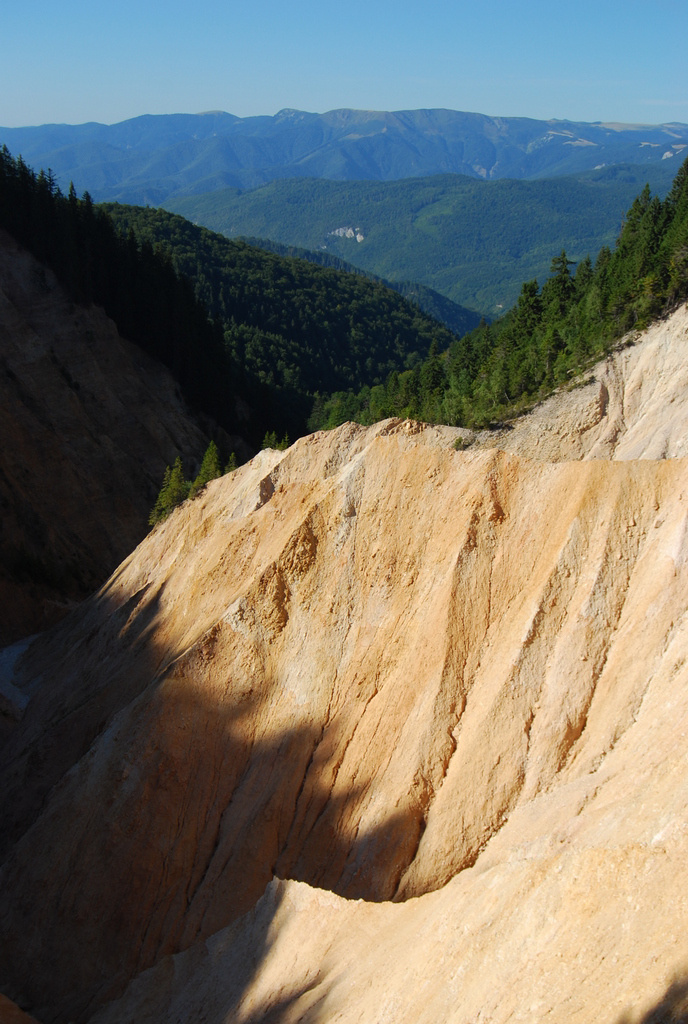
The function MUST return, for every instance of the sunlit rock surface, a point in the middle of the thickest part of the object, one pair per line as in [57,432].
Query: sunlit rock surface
[633,405]
[371,730]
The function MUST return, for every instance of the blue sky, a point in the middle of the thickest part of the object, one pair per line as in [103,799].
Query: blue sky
[75,61]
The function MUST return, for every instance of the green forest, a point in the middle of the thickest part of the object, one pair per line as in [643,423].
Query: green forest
[299,346]
[553,332]
[472,241]
[297,327]
[251,337]
[456,318]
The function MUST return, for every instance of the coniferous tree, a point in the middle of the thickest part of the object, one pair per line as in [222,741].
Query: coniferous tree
[174,490]
[210,470]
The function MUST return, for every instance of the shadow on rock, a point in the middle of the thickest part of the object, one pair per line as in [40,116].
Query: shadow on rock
[150,790]
[671,1009]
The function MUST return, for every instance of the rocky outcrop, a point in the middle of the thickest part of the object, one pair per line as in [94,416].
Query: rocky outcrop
[88,424]
[373,729]
[633,405]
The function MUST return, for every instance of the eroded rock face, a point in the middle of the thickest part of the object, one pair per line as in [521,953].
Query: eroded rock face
[633,405]
[449,685]
[88,423]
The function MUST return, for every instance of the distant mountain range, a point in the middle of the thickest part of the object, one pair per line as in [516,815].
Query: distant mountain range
[153,158]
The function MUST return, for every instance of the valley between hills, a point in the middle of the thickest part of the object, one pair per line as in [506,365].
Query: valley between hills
[386,724]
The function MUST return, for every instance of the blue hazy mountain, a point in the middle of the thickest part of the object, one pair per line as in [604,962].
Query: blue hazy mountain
[153,158]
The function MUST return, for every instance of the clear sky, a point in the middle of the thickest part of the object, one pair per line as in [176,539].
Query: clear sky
[589,60]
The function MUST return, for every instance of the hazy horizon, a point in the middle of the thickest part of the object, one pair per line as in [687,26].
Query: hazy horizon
[218,110]
[77,62]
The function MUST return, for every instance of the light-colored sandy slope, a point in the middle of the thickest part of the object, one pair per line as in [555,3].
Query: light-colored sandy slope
[388,670]
[634,406]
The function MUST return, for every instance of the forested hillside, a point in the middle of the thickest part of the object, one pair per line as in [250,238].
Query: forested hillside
[552,332]
[139,289]
[306,346]
[473,241]
[298,328]
[455,317]
[251,337]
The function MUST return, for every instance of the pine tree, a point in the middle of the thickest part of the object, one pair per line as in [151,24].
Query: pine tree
[157,513]
[210,469]
[174,490]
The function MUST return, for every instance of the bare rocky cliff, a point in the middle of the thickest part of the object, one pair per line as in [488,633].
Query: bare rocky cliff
[88,424]
[371,730]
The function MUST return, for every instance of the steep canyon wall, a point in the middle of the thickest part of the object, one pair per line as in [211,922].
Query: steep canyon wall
[372,730]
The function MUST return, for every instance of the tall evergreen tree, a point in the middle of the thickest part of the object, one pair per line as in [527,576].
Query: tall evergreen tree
[210,470]
[174,490]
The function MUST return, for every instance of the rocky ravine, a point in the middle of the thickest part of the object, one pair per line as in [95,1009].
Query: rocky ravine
[88,423]
[372,730]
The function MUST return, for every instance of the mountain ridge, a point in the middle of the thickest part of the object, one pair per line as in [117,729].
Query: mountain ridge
[152,158]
